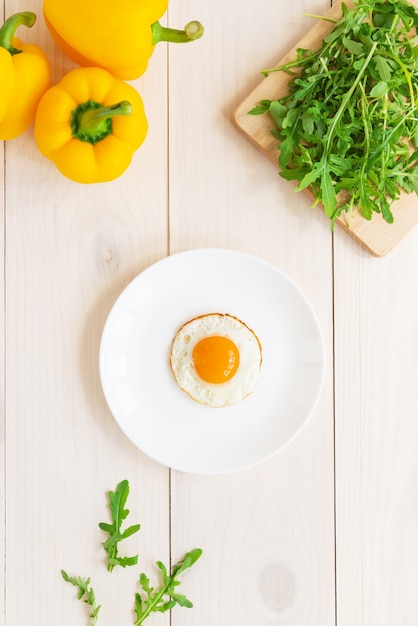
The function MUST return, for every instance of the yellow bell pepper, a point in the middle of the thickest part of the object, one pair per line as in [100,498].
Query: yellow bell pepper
[90,124]
[24,77]
[117,37]
[7,81]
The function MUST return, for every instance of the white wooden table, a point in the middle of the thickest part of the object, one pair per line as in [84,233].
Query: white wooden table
[324,533]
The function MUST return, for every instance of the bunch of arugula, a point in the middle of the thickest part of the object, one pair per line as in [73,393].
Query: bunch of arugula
[348,127]
[149,600]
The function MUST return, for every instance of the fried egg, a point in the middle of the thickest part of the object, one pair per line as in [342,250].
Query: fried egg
[216,359]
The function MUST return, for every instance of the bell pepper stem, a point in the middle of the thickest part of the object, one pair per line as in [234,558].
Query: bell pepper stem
[193,30]
[92,122]
[7,31]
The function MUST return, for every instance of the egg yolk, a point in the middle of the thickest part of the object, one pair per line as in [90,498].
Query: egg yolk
[216,359]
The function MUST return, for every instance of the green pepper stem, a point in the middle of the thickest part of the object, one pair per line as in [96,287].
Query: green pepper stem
[193,30]
[7,31]
[92,122]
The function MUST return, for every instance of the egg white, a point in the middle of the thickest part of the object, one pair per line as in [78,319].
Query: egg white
[245,378]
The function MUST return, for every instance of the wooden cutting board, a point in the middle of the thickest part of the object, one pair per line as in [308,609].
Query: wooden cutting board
[376,236]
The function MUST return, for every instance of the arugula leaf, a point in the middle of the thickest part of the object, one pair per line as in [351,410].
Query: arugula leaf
[348,126]
[379,90]
[117,502]
[383,68]
[166,597]
[260,108]
[85,593]
[355,47]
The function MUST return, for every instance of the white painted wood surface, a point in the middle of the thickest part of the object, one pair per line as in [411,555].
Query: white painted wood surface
[324,533]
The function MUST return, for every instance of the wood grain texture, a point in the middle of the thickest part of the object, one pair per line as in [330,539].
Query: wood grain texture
[267,534]
[376,436]
[376,236]
[71,250]
[323,533]
[2,403]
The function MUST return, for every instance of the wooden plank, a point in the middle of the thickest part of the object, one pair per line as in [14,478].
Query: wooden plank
[71,249]
[267,533]
[2,407]
[376,435]
[376,236]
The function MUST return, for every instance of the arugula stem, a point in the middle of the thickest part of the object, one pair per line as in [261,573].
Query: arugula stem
[394,24]
[288,66]
[365,126]
[384,125]
[324,65]
[155,602]
[297,63]
[348,95]
[324,18]
[404,70]
[382,146]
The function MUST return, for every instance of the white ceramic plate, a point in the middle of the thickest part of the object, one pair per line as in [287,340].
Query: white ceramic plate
[139,386]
